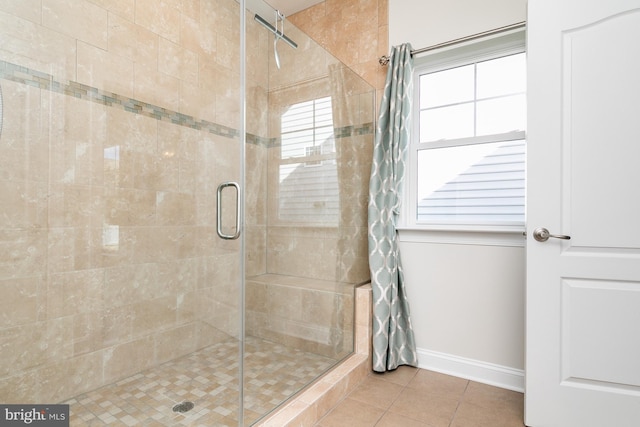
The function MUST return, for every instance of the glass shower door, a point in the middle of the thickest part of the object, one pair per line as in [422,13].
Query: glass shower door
[119,121]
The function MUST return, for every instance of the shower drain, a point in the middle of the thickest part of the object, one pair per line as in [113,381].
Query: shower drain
[183,407]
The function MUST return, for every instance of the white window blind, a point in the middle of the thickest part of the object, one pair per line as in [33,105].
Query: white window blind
[308,177]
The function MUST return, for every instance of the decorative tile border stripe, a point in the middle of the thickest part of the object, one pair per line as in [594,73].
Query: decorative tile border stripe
[40,80]
[259,140]
[348,131]
[338,133]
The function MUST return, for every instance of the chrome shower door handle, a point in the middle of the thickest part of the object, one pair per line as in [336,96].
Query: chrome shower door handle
[541,234]
[219,211]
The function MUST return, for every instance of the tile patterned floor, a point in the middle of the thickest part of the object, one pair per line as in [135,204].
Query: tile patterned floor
[410,397]
[209,379]
[406,397]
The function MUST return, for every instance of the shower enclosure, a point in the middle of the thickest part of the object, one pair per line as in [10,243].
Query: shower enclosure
[125,128]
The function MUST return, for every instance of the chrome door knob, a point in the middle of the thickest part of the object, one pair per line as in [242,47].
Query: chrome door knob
[541,234]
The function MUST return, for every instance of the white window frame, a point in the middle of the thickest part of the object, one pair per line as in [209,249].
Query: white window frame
[485,49]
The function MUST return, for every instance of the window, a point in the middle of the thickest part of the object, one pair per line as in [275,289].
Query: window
[467,162]
[308,176]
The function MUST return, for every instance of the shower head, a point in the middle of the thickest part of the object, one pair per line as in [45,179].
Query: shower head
[275,52]
[279,18]
[277,32]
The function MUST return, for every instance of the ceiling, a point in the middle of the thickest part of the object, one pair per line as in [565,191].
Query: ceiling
[289,7]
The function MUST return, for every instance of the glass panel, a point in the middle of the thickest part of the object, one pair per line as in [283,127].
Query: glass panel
[295,144]
[297,117]
[310,125]
[446,123]
[308,192]
[112,269]
[472,184]
[118,298]
[502,76]
[501,115]
[447,87]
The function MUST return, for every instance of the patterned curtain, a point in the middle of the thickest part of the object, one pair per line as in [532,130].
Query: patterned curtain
[393,342]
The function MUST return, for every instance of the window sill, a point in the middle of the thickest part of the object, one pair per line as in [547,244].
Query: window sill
[480,236]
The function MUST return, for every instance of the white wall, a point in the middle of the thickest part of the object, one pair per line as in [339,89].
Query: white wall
[467,306]
[428,22]
[467,298]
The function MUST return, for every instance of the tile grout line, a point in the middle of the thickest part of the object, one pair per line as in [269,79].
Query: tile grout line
[404,388]
[453,417]
[338,403]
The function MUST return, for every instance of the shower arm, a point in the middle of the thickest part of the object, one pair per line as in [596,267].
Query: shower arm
[279,31]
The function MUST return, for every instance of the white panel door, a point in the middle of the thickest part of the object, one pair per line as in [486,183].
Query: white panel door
[583,294]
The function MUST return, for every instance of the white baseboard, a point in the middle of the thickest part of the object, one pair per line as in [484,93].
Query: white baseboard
[475,370]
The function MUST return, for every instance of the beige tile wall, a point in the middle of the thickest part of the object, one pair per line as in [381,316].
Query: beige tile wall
[355,31]
[108,257]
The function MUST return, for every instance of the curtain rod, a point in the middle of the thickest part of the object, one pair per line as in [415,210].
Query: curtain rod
[384,60]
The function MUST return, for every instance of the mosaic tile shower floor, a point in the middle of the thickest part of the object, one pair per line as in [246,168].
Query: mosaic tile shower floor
[208,378]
